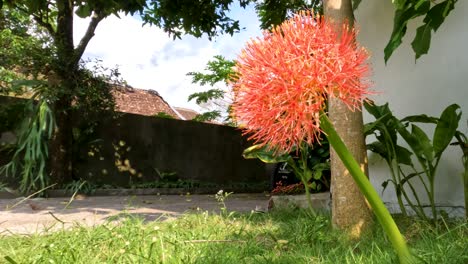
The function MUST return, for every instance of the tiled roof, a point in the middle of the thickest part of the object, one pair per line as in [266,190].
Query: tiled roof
[142,102]
[188,114]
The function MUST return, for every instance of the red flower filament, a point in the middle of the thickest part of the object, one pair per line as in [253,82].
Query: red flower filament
[284,78]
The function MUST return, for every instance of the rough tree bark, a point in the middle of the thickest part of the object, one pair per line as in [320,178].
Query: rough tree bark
[350,210]
[66,67]
[66,82]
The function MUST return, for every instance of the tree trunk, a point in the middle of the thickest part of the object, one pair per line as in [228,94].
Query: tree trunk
[65,70]
[350,210]
[61,144]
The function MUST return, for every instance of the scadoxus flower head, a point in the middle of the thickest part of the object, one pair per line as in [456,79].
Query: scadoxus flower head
[284,78]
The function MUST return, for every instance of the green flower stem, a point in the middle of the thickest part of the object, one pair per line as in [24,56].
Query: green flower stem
[367,189]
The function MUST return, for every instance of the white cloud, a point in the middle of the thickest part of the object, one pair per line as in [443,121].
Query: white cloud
[149,59]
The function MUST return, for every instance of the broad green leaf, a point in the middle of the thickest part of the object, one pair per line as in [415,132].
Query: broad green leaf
[415,144]
[83,11]
[399,4]
[424,144]
[403,14]
[422,40]
[264,154]
[409,177]
[379,148]
[421,119]
[419,3]
[446,128]
[377,110]
[436,16]
[403,155]
[356,4]
[370,128]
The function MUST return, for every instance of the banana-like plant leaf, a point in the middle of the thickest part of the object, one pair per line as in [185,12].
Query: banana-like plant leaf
[414,144]
[424,143]
[409,177]
[370,128]
[403,155]
[379,148]
[420,119]
[264,154]
[446,128]
[377,111]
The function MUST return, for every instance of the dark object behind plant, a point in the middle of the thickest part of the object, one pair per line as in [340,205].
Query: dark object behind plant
[317,159]
[308,165]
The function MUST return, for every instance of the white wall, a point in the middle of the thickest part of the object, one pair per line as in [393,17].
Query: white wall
[435,81]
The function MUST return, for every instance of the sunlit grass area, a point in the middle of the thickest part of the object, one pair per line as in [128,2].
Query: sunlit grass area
[284,236]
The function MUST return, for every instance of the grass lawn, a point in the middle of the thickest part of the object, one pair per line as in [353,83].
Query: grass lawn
[286,236]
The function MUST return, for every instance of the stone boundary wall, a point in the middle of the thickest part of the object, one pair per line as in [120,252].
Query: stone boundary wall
[134,149]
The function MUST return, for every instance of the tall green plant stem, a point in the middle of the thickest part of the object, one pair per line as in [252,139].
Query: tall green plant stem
[381,212]
[303,179]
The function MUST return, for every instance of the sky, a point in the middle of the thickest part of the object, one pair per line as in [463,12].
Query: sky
[149,59]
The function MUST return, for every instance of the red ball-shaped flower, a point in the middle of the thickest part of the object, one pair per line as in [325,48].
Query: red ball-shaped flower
[284,78]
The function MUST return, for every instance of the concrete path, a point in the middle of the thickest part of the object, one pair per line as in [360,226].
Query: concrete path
[41,215]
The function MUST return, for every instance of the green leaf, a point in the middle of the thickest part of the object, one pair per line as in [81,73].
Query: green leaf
[83,11]
[207,116]
[399,4]
[379,148]
[264,154]
[306,175]
[385,184]
[370,128]
[422,40]
[409,177]
[415,143]
[204,97]
[318,170]
[356,4]
[423,144]
[376,110]
[421,119]
[446,128]
[10,260]
[403,155]
[436,16]
[403,14]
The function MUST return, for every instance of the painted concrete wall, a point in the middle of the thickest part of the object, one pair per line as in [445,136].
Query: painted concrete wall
[136,145]
[428,86]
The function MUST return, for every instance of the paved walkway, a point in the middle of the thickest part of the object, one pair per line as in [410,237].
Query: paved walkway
[39,215]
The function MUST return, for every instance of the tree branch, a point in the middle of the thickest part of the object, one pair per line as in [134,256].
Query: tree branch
[79,50]
[38,20]
[45,25]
